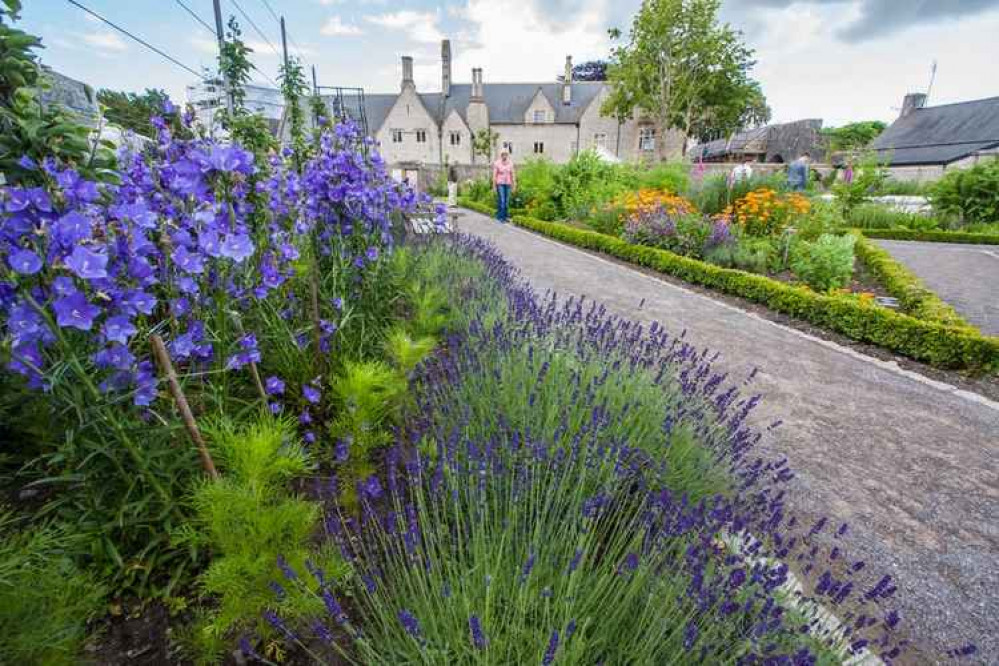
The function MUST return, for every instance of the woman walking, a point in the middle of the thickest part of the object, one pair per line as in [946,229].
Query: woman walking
[505,181]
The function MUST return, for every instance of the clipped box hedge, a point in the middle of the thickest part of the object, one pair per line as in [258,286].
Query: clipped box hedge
[932,236]
[929,341]
[900,282]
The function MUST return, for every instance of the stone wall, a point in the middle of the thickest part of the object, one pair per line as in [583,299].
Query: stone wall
[409,116]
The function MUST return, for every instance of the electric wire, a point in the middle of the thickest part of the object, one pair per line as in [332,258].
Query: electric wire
[137,39]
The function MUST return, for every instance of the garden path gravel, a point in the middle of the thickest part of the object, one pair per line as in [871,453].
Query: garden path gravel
[966,276]
[909,462]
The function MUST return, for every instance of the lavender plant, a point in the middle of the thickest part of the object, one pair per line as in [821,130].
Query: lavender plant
[574,530]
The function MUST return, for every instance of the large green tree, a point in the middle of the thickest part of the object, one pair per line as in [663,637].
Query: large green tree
[685,69]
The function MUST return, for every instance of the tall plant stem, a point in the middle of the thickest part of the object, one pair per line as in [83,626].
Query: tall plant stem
[163,358]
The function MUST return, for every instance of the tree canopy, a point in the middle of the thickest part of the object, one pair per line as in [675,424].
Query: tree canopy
[591,70]
[853,136]
[132,111]
[686,70]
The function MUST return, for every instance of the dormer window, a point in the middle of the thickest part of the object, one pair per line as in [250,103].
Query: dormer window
[540,116]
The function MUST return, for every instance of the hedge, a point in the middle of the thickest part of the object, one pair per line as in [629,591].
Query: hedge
[932,236]
[910,291]
[928,341]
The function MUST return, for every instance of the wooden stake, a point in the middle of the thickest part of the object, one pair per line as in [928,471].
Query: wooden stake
[316,323]
[163,358]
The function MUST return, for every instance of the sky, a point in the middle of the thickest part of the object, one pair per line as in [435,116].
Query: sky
[839,60]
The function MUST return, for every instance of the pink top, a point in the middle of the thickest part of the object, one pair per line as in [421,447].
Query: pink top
[503,173]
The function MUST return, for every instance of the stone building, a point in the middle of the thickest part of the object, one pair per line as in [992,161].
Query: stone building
[551,120]
[924,142]
[775,144]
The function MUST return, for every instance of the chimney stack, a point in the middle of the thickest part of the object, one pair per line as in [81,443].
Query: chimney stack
[477,90]
[912,102]
[407,72]
[567,82]
[446,67]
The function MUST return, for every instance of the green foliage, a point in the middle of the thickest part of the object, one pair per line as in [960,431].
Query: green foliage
[826,263]
[755,255]
[45,600]
[407,353]
[484,144]
[869,175]
[249,520]
[685,69]
[253,132]
[235,65]
[910,188]
[931,342]
[132,111]
[606,219]
[901,283]
[969,195]
[879,216]
[293,86]
[714,194]
[823,218]
[368,395]
[936,236]
[853,136]
[29,128]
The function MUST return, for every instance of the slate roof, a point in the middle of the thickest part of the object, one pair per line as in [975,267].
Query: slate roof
[507,102]
[941,134]
[735,144]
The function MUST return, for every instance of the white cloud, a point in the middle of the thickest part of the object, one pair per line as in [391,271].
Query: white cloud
[335,26]
[418,26]
[105,41]
[513,41]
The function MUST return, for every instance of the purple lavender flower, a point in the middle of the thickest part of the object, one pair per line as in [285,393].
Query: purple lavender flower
[409,623]
[87,264]
[24,262]
[75,311]
[72,228]
[549,657]
[475,627]
[372,253]
[187,261]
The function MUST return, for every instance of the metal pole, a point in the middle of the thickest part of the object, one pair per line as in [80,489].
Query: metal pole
[221,37]
[284,44]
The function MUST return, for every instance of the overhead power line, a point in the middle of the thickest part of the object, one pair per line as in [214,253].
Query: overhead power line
[271,10]
[196,17]
[255,27]
[137,39]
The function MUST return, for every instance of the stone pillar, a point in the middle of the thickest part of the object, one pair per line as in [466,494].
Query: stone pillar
[567,82]
[407,72]
[446,67]
[912,102]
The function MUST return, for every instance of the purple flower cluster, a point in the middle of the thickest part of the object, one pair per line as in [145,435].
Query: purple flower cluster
[193,233]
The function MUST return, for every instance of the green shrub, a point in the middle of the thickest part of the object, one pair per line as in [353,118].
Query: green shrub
[45,600]
[879,216]
[969,195]
[931,342]
[826,263]
[908,188]
[823,218]
[754,255]
[935,236]
[608,219]
[868,177]
[480,191]
[901,283]
[252,525]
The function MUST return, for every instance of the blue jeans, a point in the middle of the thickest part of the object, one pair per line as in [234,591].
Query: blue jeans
[503,203]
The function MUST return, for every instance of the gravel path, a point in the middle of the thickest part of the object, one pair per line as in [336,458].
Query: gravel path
[966,276]
[909,462]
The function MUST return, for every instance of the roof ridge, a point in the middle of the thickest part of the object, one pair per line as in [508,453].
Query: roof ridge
[967,101]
